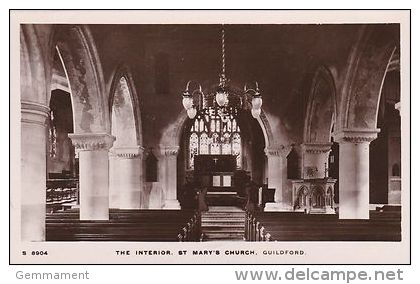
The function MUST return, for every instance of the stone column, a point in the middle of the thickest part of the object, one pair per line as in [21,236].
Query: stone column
[93,174]
[169,154]
[315,160]
[277,175]
[354,172]
[33,170]
[126,177]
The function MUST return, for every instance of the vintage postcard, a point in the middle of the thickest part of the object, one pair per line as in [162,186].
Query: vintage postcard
[210,137]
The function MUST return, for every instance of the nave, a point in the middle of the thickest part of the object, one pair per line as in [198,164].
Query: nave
[132,132]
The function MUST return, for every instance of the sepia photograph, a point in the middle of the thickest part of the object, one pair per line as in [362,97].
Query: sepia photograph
[210,137]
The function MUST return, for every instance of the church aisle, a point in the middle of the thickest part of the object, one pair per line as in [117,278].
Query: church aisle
[223,223]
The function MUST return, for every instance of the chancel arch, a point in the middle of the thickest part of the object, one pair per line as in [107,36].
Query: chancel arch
[219,148]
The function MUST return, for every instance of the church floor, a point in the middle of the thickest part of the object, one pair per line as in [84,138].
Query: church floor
[223,223]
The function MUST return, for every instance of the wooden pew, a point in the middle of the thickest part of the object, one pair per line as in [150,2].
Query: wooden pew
[292,226]
[125,225]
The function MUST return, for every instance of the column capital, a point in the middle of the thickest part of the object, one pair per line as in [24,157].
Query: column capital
[92,141]
[169,150]
[358,135]
[316,148]
[277,151]
[34,112]
[128,152]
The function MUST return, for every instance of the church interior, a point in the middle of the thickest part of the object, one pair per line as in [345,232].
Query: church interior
[210,132]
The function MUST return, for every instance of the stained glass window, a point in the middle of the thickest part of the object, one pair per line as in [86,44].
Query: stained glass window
[236,149]
[213,134]
[52,136]
[193,148]
[214,145]
[204,144]
[226,144]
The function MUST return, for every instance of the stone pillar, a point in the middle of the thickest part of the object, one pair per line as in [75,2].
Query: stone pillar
[126,177]
[93,174]
[354,172]
[169,156]
[276,175]
[33,170]
[315,160]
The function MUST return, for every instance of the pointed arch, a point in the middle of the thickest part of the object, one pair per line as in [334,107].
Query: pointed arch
[34,77]
[123,73]
[80,60]
[369,61]
[321,108]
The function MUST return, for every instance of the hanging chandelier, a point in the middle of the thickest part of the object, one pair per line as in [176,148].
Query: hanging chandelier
[222,96]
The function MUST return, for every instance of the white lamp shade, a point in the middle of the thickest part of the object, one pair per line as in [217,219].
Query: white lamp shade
[256,102]
[187,102]
[191,112]
[221,98]
[256,112]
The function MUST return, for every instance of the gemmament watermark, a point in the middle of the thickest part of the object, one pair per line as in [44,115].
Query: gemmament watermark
[22,275]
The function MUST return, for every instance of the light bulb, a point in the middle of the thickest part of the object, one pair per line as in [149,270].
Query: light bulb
[221,98]
[187,102]
[191,112]
[256,102]
[255,113]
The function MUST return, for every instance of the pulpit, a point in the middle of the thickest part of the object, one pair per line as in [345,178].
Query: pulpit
[313,196]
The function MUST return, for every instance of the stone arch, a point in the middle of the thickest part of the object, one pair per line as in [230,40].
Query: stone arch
[82,66]
[321,108]
[302,198]
[33,76]
[303,190]
[122,90]
[126,156]
[318,197]
[369,61]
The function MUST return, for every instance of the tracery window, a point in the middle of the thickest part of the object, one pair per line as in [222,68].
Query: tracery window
[215,132]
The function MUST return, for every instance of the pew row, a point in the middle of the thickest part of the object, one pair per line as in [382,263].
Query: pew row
[294,226]
[126,225]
